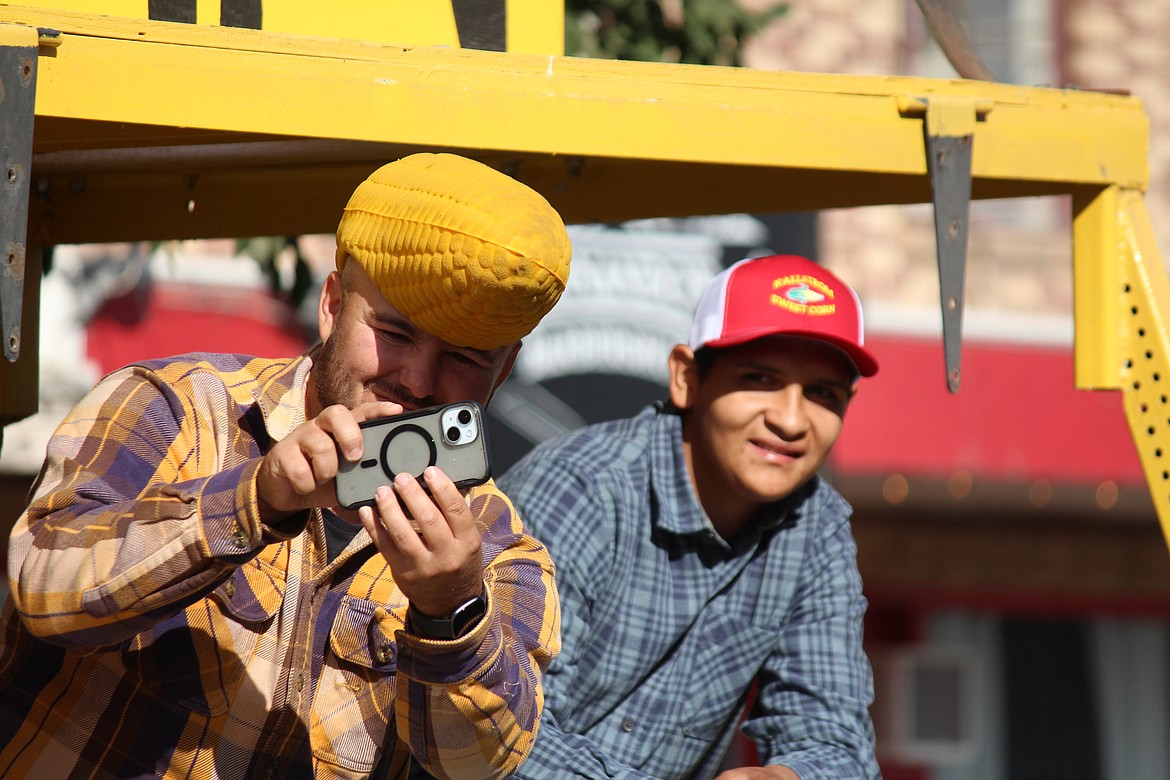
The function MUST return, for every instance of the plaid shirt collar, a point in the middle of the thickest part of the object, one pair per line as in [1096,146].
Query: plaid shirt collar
[282,398]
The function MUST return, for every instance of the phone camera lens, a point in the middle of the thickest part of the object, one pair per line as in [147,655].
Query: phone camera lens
[453,433]
[464,416]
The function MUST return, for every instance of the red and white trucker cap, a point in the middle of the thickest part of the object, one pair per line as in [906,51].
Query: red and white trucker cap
[781,295]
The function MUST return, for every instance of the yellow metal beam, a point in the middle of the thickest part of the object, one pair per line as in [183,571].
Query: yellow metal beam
[1144,347]
[218,79]
[131,108]
[1098,260]
[533,26]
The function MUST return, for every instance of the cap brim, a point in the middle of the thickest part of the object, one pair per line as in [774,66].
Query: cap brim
[862,359]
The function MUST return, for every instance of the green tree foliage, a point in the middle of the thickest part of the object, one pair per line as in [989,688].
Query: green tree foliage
[268,252]
[699,32]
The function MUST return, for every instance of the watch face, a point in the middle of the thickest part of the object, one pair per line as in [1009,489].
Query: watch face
[467,615]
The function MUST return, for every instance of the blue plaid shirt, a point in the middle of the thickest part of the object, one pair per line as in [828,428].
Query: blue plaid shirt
[665,626]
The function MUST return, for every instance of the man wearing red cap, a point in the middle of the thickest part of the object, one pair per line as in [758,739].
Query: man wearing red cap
[698,552]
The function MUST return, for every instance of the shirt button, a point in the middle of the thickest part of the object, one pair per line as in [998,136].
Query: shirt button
[300,682]
[229,588]
[385,654]
[628,725]
[239,539]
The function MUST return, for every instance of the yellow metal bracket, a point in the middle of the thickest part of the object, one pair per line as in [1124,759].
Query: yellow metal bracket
[1121,301]
[1099,251]
[18,77]
[949,130]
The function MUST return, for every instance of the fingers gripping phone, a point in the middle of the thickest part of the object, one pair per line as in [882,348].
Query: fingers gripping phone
[450,436]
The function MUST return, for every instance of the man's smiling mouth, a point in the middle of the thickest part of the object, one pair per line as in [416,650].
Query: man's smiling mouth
[776,450]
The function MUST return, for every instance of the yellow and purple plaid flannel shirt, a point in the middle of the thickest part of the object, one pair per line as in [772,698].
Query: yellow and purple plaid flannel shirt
[156,627]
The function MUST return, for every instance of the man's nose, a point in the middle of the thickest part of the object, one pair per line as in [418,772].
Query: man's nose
[420,373]
[787,413]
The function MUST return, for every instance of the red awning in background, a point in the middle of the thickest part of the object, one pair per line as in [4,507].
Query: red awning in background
[174,318]
[1017,417]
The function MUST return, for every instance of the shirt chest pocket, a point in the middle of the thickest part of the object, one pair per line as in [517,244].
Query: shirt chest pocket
[728,658]
[353,704]
[198,658]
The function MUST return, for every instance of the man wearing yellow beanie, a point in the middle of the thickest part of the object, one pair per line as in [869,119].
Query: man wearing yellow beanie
[187,600]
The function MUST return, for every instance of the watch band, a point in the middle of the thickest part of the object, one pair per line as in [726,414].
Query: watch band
[461,620]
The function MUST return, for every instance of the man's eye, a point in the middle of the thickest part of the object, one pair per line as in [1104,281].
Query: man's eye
[826,395]
[466,360]
[393,335]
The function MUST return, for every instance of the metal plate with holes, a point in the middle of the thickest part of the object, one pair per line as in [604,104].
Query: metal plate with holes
[17,100]
[950,179]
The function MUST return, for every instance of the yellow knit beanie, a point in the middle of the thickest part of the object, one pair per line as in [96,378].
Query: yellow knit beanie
[469,254]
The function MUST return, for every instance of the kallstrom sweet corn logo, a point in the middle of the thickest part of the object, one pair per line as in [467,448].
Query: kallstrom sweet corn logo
[803,294]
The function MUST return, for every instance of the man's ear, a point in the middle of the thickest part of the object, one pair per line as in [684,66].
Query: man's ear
[852,395]
[329,306]
[684,376]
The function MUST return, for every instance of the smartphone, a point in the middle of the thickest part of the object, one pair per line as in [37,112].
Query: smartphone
[450,436]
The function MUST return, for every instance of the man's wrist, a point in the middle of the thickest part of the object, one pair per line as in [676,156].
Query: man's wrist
[460,622]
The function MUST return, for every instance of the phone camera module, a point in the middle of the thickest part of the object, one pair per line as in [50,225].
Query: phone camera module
[459,425]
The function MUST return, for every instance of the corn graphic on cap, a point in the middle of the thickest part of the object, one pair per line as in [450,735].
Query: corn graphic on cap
[469,254]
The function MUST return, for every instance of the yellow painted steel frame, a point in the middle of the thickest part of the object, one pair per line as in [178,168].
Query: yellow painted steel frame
[1122,340]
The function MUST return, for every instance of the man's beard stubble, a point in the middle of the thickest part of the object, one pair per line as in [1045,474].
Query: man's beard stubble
[334,384]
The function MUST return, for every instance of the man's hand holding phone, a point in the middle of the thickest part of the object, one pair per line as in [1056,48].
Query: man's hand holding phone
[406,487]
[297,473]
[439,566]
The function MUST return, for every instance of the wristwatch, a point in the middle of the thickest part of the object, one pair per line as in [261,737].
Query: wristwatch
[461,620]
